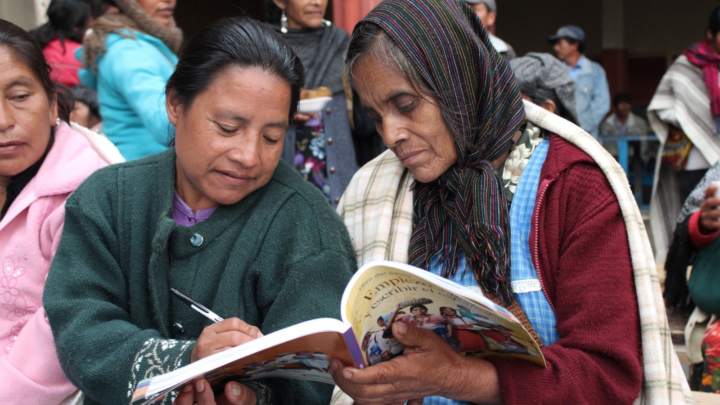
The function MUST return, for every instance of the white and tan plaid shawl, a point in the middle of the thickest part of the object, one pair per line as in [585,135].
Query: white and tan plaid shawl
[377,209]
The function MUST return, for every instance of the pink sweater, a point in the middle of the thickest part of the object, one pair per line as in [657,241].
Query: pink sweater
[29,235]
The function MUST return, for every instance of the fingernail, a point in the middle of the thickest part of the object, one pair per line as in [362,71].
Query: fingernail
[187,388]
[236,389]
[347,374]
[401,328]
[200,386]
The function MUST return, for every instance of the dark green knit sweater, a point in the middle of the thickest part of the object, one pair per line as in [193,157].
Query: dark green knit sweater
[278,257]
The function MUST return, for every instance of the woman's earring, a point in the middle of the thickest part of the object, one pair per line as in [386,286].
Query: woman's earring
[58,122]
[326,22]
[283,23]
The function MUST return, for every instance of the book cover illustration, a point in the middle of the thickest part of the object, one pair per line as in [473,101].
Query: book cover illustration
[468,322]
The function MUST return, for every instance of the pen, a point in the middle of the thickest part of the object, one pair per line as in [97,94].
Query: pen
[200,308]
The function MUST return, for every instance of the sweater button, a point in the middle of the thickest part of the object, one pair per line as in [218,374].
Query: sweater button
[332,170]
[337,201]
[196,240]
[330,141]
[328,110]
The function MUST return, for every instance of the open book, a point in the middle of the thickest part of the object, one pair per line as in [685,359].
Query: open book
[379,294]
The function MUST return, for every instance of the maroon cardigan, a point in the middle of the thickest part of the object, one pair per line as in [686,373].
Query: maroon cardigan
[580,248]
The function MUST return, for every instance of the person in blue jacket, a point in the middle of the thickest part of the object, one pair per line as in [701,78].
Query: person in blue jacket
[128,58]
[592,95]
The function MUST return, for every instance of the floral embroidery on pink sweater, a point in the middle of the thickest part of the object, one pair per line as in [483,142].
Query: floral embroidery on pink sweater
[12,299]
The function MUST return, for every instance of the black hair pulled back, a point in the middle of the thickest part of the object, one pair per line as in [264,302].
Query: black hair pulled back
[234,41]
[67,19]
[24,47]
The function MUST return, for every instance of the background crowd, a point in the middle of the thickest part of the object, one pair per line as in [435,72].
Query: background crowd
[110,81]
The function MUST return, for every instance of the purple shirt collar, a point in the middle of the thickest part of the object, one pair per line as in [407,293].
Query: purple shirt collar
[184,215]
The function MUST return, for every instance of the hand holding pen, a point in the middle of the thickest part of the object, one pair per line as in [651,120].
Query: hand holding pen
[222,335]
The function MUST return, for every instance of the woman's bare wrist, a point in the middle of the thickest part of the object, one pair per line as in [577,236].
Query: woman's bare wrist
[474,380]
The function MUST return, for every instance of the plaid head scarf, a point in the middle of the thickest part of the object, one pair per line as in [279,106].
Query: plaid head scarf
[463,213]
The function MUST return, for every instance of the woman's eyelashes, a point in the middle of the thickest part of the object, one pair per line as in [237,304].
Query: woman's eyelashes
[404,108]
[226,130]
[407,107]
[232,130]
[20,97]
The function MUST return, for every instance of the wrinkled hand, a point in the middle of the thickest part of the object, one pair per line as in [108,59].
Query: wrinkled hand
[200,393]
[429,367]
[709,214]
[221,336]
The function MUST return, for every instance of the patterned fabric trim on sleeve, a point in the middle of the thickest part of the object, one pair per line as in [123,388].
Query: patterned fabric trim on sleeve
[157,356]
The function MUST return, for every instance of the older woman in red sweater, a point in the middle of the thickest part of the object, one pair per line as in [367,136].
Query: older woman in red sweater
[450,111]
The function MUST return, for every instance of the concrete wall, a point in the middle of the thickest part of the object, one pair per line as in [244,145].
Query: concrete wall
[192,15]
[527,24]
[665,27]
[20,12]
[652,28]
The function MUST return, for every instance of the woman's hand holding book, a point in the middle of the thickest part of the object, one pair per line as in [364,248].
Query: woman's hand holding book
[429,367]
[216,338]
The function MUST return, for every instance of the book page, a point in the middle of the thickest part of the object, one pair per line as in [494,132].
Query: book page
[382,293]
[306,358]
[302,351]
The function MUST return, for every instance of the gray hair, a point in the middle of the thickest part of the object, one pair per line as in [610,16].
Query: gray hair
[370,39]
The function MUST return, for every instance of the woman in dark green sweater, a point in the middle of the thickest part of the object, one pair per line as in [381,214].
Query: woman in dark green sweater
[217,217]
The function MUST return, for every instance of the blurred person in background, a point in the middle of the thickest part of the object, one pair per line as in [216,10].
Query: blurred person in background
[128,58]
[87,110]
[319,145]
[698,229]
[487,11]
[685,115]
[544,81]
[42,161]
[623,122]
[592,96]
[61,36]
